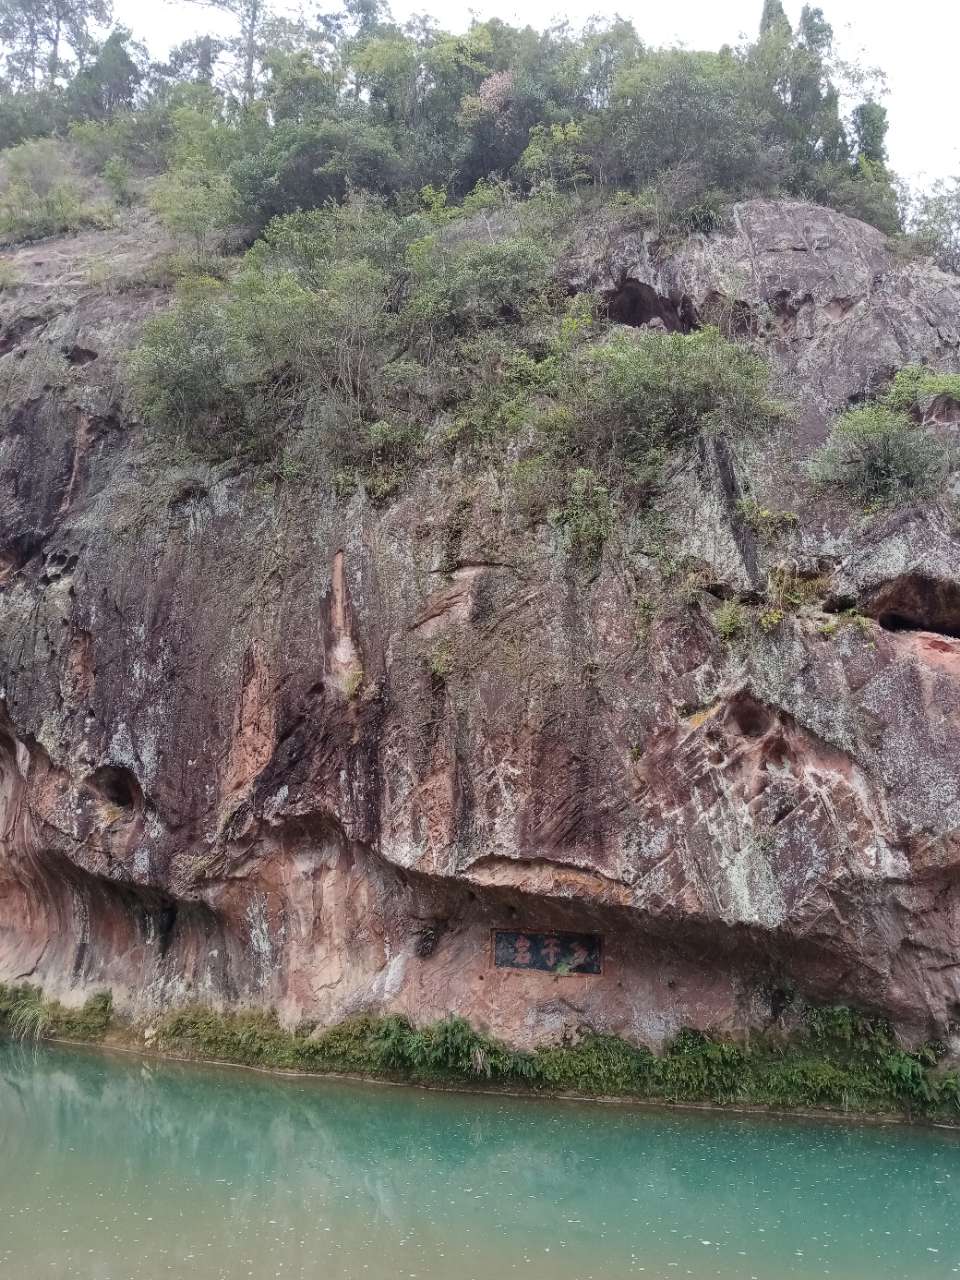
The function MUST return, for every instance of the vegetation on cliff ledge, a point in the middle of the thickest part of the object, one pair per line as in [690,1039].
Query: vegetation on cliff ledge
[883,453]
[835,1058]
[354,343]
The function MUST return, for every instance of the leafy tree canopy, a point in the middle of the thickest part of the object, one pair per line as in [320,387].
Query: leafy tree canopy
[296,113]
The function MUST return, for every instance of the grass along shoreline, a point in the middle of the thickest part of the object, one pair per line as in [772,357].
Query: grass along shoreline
[836,1061]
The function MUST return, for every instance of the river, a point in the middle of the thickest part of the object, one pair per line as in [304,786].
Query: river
[116,1168]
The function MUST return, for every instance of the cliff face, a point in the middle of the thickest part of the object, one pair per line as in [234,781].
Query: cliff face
[259,747]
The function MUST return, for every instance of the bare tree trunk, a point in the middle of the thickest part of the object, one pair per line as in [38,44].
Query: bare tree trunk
[54,64]
[250,26]
[34,53]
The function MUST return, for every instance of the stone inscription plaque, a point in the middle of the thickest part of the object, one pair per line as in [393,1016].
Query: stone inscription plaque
[548,952]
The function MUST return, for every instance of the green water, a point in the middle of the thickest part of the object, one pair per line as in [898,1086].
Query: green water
[113,1168]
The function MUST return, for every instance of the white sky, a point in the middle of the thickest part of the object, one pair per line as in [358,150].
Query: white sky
[915,44]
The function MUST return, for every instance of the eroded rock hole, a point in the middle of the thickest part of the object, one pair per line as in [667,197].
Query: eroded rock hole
[18,553]
[57,566]
[166,921]
[915,602]
[116,785]
[899,622]
[427,936]
[750,718]
[640,306]
[79,355]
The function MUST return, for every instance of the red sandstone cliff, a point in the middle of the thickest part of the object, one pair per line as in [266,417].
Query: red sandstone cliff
[230,773]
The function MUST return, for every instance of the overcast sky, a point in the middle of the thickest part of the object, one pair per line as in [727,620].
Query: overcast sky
[915,44]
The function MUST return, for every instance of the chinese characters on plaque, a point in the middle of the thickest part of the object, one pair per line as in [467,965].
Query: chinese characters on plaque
[548,952]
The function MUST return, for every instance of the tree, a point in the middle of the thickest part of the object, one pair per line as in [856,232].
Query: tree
[556,155]
[788,80]
[304,166]
[870,131]
[70,22]
[251,17]
[111,81]
[814,31]
[22,24]
[194,60]
[298,89]
[35,34]
[678,108]
[600,56]
[773,18]
[936,223]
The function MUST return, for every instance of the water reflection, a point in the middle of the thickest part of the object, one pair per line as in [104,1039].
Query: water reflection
[113,1167]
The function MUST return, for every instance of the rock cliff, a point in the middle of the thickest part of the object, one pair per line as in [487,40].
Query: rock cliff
[263,747]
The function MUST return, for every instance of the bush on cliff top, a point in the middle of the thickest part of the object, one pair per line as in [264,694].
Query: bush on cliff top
[293,114]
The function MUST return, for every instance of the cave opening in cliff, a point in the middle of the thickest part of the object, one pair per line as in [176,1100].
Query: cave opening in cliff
[916,602]
[117,785]
[639,305]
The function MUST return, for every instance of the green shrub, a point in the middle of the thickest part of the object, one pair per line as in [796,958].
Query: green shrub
[306,356]
[935,226]
[251,1039]
[29,1017]
[452,1047]
[308,243]
[839,1058]
[180,373]
[468,285]
[26,1015]
[585,520]
[311,163]
[878,457]
[391,1043]
[863,190]
[116,174]
[598,1064]
[697,1066]
[142,139]
[765,521]
[915,387]
[295,356]
[730,620]
[296,337]
[536,486]
[90,1022]
[41,193]
[666,388]
[194,204]
[441,660]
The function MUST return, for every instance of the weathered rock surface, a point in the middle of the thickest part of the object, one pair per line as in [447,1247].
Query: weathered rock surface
[830,302]
[233,770]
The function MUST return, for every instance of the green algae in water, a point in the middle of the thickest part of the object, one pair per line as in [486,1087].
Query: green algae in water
[115,1168]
